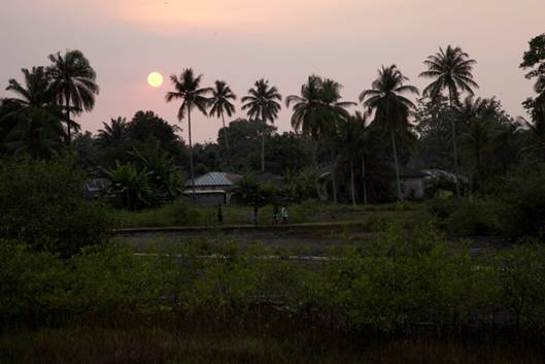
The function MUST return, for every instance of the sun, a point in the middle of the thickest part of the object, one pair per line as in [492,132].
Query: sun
[155,79]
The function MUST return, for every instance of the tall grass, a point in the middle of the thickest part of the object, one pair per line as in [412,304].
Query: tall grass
[161,343]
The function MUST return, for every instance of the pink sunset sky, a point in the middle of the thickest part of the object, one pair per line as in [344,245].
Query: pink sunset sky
[284,41]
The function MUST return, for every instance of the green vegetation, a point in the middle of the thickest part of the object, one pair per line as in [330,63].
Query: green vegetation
[395,284]
[43,206]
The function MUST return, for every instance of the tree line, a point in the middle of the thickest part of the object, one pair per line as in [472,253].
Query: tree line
[445,127]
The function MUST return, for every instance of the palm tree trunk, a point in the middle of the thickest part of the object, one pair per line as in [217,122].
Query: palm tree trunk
[454,143]
[69,136]
[396,164]
[191,171]
[263,147]
[479,168]
[364,178]
[226,140]
[334,181]
[225,133]
[352,184]
[322,195]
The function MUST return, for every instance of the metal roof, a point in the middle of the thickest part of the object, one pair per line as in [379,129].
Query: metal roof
[216,179]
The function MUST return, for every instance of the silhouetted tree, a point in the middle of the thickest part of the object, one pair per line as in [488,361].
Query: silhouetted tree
[113,134]
[390,107]
[316,113]
[450,70]
[73,82]
[262,104]
[36,127]
[188,89]
[221,104]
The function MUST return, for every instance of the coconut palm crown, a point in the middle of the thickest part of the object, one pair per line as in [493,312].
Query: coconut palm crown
[451,70]
[73,82]
[221,104]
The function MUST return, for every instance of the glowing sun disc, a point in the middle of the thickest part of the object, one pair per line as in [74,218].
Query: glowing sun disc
[155,79]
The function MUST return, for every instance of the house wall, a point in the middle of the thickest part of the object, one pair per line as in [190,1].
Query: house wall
[209,199]
[412,188]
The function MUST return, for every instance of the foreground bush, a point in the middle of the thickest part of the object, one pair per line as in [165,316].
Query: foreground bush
[393,283]
[43,206]
[522,200]
[515,209]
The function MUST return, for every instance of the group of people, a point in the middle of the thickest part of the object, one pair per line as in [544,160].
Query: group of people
[279,215]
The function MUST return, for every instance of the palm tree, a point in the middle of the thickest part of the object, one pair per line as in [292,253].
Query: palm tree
[306,115]
[37,129]
[262,104]
[318,107]
[187,88]
[317,111]
[221,104]
[390,107]
[351,134]
[114,133]
[450,70]
[485,124]
[73,82]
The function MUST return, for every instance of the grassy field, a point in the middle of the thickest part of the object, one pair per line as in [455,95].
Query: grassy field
[313,227]
[183,213]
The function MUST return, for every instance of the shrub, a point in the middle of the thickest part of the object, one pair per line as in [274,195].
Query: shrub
[522,198]
[441,208]
[32,282]
[43,206]
[464,217]
[522,274]
[478,217]
[392,283]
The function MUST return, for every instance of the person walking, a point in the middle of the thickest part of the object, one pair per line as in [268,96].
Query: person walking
[284,214]
[254,216]
[276,215]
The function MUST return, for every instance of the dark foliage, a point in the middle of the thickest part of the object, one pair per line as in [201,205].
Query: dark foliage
[43,206]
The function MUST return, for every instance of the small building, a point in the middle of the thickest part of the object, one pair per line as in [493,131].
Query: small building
[212,188]
[93,187]
[413,185]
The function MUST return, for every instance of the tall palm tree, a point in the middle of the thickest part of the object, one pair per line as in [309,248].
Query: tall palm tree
[262,104]
[221,104]
[485,124]
[307,116]
[317,112]
[451,70]
[37,129]
[391,107]
[73,82]
[187,87]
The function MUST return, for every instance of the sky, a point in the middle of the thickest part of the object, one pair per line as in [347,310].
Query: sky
[284,41]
